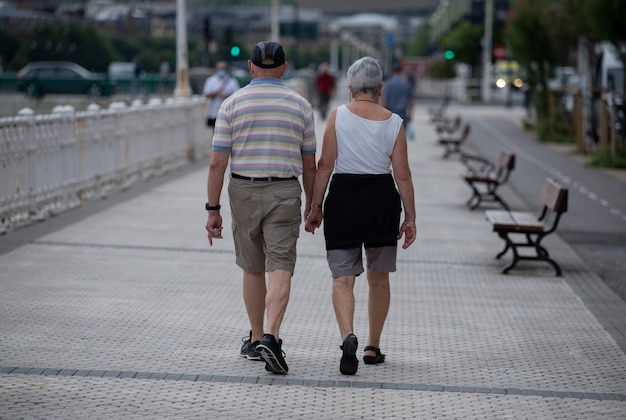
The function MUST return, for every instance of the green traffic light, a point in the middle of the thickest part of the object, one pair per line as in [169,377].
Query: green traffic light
[235,51]
[448,55]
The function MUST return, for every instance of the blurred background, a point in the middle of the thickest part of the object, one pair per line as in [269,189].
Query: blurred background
[563,60]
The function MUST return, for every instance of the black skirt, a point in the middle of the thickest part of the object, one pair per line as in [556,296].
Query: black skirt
[361,209]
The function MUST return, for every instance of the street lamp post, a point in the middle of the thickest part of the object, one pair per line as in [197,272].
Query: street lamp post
[487,42]
[275,35]
[182,89]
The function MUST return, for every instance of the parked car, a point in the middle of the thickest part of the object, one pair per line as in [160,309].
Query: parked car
[45,77]
[121,70]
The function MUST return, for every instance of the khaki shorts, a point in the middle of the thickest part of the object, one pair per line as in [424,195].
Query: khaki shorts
[349,262]
[266,223]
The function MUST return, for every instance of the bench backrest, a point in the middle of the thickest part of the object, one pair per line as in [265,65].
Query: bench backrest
[554,199]
[505,165]
[466,131]
[554,196]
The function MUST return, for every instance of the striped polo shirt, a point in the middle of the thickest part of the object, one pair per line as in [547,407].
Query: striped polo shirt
[266,127]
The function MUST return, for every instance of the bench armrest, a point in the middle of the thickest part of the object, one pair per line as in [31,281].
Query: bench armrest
[476,164]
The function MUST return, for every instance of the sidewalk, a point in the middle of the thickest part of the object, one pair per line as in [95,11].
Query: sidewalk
[127,312]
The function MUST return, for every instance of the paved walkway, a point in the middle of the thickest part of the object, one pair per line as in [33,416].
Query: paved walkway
[121,310]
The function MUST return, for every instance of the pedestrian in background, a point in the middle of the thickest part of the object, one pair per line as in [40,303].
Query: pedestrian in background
[325,82]
[267,130]
[137,72]
[164,73]
[362,143]
[397,95]
[217,88]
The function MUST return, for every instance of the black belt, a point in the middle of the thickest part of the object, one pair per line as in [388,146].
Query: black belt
[268,179]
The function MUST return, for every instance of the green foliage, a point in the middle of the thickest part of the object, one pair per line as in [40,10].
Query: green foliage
[604,160]
[9,46]
[464,40]
[418,46]
[442,70]
[554,132]
[69,42]
[529,37]
[606,18]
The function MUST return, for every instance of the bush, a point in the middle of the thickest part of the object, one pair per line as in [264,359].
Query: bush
[604,159]
[555,132]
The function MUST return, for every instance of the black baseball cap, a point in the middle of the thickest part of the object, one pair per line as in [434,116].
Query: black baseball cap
[268,50]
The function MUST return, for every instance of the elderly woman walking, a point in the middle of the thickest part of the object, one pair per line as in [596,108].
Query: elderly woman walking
[365,145]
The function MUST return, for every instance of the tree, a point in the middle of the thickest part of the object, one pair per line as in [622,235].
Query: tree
[9,46]
[531,43]
[464,41]
[606,19]
[67,42]
[418,46]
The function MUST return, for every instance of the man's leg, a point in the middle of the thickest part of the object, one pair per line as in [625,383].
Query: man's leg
[276,300]
[378,307]
[254,293]
[343,302]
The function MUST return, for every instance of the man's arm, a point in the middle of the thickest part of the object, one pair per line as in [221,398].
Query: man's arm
[217,168]
[308,175]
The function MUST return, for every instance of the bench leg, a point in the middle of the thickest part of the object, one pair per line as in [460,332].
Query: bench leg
[513,246]
[499,199]
[489,195]
[475,199]
[506,248]
[542,253]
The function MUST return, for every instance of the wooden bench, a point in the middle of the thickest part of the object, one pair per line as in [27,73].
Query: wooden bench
[448,126]
[484,178]
[436,114]
[509,223]
[452,144]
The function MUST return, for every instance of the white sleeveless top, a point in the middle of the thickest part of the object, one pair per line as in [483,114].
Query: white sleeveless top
[364,146]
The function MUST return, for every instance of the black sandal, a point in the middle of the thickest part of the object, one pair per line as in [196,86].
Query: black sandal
[349,363]
[373,360]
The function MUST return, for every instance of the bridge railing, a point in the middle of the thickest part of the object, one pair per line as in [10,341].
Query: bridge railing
[53,162]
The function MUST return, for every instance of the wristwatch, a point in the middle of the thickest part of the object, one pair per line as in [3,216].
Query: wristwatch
[207,207]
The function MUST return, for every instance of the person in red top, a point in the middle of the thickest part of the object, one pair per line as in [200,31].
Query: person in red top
[325,86]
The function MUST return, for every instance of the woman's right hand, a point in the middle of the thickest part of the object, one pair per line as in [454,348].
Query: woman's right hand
[313,220]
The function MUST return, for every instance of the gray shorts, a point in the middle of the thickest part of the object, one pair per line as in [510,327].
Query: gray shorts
[266,224]
[349,262]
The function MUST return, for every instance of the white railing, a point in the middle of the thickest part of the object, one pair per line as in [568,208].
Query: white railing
[50,163]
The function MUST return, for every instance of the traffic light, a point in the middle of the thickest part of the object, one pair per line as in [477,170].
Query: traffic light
[230,48]
[448,55]
[229,35]
[206,29]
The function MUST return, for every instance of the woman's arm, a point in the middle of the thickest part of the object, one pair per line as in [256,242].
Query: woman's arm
[402,175]
[325,168]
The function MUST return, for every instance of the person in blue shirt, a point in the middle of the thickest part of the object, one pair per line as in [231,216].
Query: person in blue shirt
[397,95]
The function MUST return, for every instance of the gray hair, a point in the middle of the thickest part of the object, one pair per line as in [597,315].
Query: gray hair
[365,75]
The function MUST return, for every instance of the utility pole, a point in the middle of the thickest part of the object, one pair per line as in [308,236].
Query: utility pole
[487,42]
[182,89]
[275,36]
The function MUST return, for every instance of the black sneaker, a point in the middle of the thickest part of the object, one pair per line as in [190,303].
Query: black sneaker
[349,363]
[271,352]
[248,349]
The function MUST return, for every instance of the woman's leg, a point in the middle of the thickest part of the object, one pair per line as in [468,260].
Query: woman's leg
[378,307]
[343,302]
